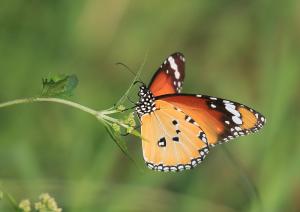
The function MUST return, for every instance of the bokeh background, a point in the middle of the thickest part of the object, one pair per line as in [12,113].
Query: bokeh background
[247,51]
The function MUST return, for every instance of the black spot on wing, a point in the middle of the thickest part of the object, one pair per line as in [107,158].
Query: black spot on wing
[176,138]
[162,142]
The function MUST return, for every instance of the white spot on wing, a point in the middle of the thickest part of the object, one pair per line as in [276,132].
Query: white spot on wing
[177,74]
[238,128]
[174,67]
[231,109]
[227,102]
[236,120]
[182,58]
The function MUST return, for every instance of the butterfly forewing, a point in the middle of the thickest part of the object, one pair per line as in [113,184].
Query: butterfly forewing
[172,140]
[220,119]
[168,79]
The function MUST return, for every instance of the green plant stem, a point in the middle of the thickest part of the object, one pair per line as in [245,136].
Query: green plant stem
[101,115]
[108,118]
[57,100]
[109,111]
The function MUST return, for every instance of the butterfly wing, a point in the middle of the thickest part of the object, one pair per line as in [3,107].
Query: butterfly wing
[172,141]
[220,119]
[169,77]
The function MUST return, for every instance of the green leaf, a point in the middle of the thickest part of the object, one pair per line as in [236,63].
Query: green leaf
[116,139]
[59,85]
[121,144]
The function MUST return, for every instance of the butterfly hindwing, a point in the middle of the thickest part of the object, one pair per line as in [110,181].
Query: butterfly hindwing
[220,119]
[172,140]
[169,77]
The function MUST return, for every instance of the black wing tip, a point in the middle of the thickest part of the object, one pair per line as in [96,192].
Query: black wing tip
[260,120]
[178,55]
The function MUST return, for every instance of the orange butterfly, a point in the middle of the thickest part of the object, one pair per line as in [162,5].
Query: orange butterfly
[178,130]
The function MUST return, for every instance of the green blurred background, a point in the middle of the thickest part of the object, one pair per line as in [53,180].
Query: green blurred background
[247,51]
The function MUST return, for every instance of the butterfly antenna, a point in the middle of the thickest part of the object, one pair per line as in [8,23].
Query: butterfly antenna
[133,73]
[136,77]
[129,70]
[138,81]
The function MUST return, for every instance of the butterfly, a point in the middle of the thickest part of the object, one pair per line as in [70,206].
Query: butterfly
[178,130]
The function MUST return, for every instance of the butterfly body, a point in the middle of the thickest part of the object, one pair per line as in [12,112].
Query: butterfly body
[178,130]
[146,102]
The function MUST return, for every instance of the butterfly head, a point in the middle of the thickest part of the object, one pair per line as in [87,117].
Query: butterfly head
[146,103]
[143,90]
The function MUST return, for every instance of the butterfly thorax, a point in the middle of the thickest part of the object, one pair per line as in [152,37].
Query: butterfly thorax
[146,103]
